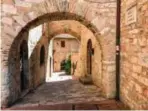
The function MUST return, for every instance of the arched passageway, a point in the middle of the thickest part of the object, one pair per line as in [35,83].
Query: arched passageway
[103,18]
[40,50]
[64,45]
[39,16]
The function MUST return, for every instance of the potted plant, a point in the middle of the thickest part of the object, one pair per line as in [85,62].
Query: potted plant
[68,65]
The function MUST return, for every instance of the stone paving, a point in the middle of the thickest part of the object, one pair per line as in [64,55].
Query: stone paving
[61,92]
[101,105]
[64,92]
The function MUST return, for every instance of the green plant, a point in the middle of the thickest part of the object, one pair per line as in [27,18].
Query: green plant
[68,66]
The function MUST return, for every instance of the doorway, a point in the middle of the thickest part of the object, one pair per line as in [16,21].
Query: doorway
[23,66]
[89,57]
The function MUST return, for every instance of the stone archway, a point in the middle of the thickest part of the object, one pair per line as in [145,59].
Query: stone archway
[77,34]
[55,29]
[47,10]
[73,28]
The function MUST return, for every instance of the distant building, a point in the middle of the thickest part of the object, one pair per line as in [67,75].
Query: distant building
[62,48]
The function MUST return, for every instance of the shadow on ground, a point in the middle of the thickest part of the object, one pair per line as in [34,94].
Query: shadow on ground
[63,92]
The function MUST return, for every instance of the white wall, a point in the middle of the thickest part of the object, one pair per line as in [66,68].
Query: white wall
[34,36]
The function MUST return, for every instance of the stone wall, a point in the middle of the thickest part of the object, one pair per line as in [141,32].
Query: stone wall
[36,74]
[38,70]
[134,53]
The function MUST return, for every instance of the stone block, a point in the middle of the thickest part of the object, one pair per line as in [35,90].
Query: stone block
[18,28]
[19,19]
[31,15]
[134,75]
[128,65]
[8,2]
[142,41]
[145,92]
[99,22]
[134,59]
[10,31]
[137,68]
[143,59]
[138,88]
[144,71]
[22,3]
[43,107]
[11,9]
[143,80]
[34,1]
[134,31]
[105,30]
[85,107]
[111,68]
[22,9]
[7,20]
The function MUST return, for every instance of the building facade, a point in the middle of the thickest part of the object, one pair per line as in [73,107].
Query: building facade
[64,47]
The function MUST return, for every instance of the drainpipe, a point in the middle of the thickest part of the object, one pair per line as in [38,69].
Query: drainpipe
[118,50]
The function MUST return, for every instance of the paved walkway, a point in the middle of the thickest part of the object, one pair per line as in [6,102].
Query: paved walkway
[58,76]
[62,94]
[101,105]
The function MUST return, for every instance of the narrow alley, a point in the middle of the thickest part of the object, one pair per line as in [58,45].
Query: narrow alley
[74,54]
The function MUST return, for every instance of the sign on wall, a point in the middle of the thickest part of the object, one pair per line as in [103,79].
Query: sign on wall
[131,15]
[131,12]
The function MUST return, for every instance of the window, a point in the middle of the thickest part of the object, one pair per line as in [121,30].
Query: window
[62,43]
[42,55]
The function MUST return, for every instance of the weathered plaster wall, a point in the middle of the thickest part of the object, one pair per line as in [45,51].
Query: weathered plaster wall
[134,53]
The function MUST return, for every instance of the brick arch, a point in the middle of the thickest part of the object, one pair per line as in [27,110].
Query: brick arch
[67,26]
[78,30]
[38,13]
[62,31]
[23,35]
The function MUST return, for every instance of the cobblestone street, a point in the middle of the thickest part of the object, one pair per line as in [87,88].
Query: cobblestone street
[62,92]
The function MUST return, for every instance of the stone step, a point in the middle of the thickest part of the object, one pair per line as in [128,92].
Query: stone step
[86,80]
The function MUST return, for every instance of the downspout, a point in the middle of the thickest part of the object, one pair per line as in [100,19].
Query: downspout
[118,49]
